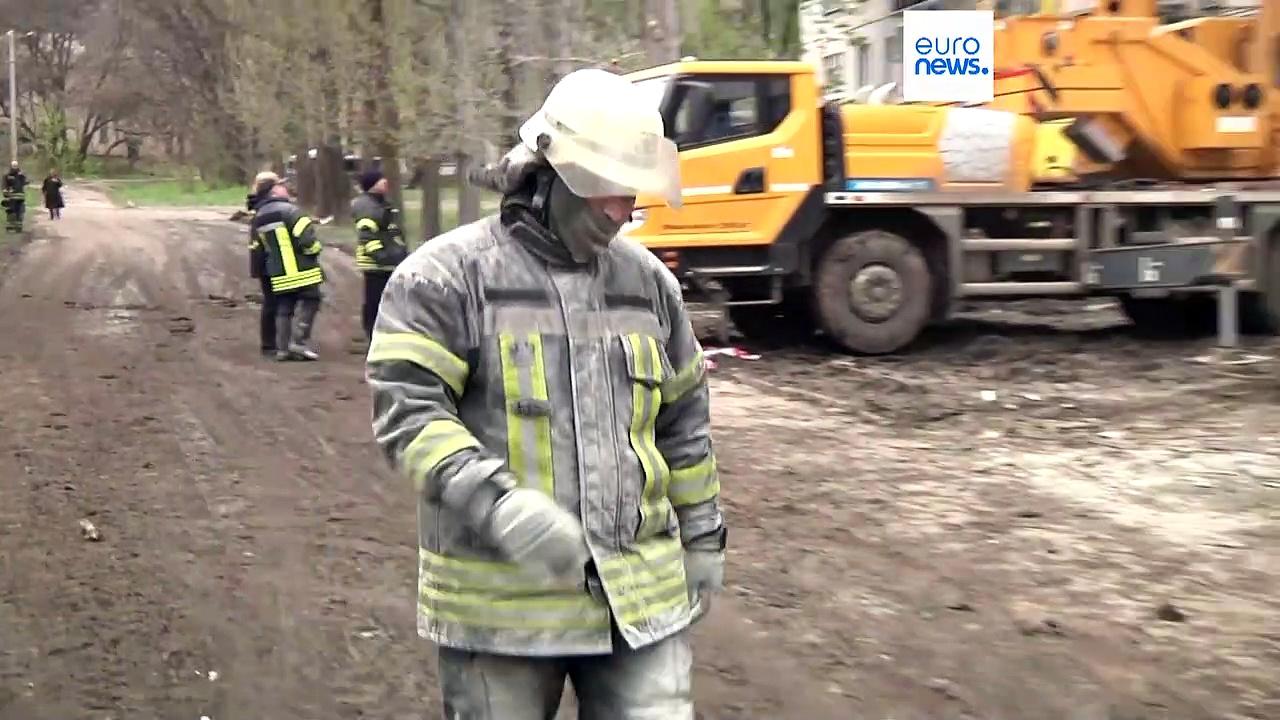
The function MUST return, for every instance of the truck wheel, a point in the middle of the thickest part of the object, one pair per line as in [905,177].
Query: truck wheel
[787,323]
[873,291]
[1172,316]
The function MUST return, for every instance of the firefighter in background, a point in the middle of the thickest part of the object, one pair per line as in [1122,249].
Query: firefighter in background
[539,381]
[15,197]
[292,264]
[380,245]
[262,185]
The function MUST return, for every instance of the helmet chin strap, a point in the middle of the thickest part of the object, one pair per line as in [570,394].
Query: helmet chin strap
[541,200]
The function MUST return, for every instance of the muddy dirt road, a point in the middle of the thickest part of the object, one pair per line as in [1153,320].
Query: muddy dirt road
[1019,521]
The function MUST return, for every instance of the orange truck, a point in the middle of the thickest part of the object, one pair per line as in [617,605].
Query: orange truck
[868,222]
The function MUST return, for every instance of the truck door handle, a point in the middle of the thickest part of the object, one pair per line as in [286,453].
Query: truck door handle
[750,181]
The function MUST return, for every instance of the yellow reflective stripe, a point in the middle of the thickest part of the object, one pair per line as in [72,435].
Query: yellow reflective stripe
[503,595]
[367,224]
[299,227]
[524,381]
[647,581]
[298,280]
[313,248]
[423,352]
[373,246]
[694,484]
[646,371]
[653,600]
[437,441]
[285,243]
[684,381]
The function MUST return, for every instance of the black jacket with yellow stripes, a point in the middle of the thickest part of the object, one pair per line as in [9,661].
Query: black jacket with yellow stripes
[380,242]
[288,238]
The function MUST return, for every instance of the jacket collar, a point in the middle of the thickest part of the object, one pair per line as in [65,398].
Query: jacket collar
[523,214]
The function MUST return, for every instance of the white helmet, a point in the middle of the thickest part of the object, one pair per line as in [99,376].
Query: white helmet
[604,138]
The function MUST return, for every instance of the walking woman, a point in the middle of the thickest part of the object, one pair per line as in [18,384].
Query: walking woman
[52,189]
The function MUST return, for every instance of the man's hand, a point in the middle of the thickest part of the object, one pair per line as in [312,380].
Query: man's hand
[530,528]
[704,570]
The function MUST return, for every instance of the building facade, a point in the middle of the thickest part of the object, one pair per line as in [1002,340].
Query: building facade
[858,43]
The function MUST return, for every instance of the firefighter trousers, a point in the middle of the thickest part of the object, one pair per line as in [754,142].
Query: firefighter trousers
[267,318]
[295,315]
[375,281]
[652,683]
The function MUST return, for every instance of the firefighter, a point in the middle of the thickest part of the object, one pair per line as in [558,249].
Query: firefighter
[292,263]
[380,245]
[262,185]
[540,382]
[15,197]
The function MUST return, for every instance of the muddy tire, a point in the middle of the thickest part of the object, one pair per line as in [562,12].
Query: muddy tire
[787,323]
[873,292]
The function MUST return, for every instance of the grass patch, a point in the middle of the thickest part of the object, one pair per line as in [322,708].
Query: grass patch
[189,193]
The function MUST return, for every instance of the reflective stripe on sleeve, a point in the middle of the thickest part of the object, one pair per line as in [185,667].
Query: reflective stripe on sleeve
[301,226]
[694,484]
[437,441]
[423,352]
[367,224]
[682,382]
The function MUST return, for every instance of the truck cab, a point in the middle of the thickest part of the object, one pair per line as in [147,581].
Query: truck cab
[750,159]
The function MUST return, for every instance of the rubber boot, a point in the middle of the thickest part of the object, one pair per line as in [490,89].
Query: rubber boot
[306,315]
[284,330]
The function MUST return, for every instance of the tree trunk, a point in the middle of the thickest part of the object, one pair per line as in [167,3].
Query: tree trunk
[464,94]
[429,182]
[468,195]
[306,183]
[387,117]
[506,36]
[335,184]
[662,32]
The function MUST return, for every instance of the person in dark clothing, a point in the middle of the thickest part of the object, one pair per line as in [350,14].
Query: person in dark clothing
[288,240]
[380,245]
[52,191]
[15,198]
[262,185]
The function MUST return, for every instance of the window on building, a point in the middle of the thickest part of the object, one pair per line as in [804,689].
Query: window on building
[864,64]
[833,71]
[893,48]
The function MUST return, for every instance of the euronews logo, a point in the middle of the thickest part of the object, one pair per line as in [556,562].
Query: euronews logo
[947,56]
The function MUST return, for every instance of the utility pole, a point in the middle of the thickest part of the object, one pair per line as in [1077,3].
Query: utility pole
[13,101]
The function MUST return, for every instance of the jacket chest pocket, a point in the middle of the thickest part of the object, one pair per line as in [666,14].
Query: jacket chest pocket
[647,367]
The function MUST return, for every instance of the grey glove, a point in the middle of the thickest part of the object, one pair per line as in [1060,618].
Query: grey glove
[704,571]
[530,528]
